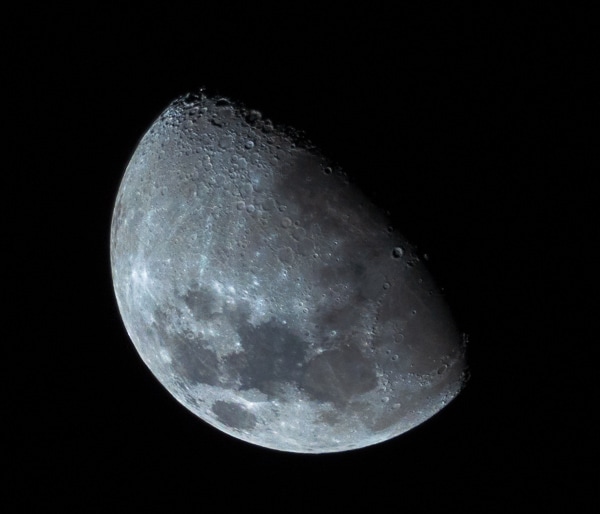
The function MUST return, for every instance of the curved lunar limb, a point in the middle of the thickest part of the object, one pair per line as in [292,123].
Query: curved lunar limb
[266,293]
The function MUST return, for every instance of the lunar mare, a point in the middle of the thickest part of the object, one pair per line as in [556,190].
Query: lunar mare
[266,293]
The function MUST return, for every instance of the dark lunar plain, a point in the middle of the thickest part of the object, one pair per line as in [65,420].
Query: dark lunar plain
[471,127]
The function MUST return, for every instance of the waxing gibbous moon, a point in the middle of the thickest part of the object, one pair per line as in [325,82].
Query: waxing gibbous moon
[266,293]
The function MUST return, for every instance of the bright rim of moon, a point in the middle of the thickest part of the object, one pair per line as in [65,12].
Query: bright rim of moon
[267,294]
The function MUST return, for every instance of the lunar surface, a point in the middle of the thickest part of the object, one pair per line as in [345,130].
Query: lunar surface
[266,293]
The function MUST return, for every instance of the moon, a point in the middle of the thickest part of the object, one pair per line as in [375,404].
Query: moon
[267,294]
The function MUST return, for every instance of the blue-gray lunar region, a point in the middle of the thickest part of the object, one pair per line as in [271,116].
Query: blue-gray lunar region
[267,294]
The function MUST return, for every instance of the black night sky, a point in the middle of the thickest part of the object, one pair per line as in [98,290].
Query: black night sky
[469,125]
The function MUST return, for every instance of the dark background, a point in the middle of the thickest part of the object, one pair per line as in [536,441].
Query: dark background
[471,126]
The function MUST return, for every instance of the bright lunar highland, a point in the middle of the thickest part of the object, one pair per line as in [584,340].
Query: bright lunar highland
[267,294]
